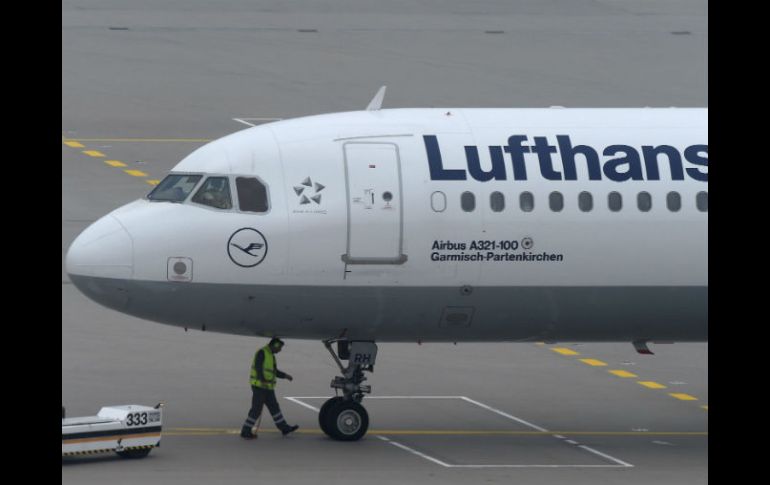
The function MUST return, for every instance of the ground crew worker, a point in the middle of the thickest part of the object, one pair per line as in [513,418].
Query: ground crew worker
[263,377]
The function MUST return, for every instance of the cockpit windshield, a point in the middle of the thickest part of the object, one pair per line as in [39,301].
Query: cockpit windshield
[214,192]
[174,188]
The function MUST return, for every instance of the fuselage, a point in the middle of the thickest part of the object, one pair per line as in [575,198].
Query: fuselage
[423,224]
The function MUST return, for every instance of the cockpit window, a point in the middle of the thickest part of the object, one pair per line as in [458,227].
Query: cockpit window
[252,194]
[215,192]
[174,188]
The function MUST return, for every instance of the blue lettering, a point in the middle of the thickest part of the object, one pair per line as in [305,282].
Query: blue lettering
[651,153]
[474,165]
[568,159]
[624,161]
[517,151]
[692,155]
[437,170]
[544,150]
[634,170]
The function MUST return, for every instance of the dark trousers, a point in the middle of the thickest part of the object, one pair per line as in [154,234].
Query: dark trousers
[259,397]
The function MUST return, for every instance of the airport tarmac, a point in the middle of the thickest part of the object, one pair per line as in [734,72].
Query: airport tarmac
[145,83]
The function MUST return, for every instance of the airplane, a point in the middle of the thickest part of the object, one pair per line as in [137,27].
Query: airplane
[421,225]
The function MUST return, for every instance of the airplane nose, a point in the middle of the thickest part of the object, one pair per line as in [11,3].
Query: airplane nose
[103,250]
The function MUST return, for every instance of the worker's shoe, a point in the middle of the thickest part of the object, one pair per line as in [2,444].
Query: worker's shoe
[247,434]
[289,429]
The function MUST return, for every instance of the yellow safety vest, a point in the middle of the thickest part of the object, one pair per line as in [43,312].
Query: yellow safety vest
[268,370]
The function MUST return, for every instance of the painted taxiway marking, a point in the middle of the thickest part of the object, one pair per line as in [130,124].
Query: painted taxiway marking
[705,407]
[564,351]
[651,384]
[682,396]
[140,140]
[452,432]
[622,373]
[259,121]
[561,436]
[625,374]
[112,163]
[136,173]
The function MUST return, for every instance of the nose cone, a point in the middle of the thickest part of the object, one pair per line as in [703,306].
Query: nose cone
[103,250]
[100,262]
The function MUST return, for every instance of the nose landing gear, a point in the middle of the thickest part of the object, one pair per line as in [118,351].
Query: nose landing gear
[343,418]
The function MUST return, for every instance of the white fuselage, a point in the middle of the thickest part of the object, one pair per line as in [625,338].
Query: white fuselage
[428,224]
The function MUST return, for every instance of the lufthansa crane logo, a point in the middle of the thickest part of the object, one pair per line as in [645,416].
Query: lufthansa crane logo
[247,247]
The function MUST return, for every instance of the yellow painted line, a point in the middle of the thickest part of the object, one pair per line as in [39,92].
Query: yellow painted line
[705,407]
[94,153]
[593,362]
[622,373]
[153,182]
[682,396]
[161,140]
[564,351]
[136,173]
[652,385]
[436,432]
[205,430]
[73,144]
[115,163]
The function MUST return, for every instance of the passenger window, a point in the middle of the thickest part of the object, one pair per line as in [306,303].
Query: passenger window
[438,201]
[702,201]
[615,201]
[468,201]
[674,201]
[174,188]
[497,201]
[215,192]
[252,194]
[556,201]
[644,201]
[527,201]
[586,201]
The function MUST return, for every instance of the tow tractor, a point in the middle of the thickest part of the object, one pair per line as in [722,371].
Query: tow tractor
[131,431]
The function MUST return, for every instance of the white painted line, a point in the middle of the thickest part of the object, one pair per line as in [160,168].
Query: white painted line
[536,466]
[448,465]
[506,415]
[414,397]
[619,463]
[297,401]
[416,453]
[245,121]
[613,459]
[383,397]
[534,426]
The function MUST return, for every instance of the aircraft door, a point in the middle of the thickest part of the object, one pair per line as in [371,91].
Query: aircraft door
[375,204]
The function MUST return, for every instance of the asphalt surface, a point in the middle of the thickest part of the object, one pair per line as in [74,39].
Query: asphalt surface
[145,83]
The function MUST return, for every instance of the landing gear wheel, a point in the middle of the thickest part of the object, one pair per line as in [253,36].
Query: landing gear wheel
[134,453]
[323,414]
[347,421]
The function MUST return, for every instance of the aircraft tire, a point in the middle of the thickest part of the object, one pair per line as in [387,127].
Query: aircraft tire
[347,421]
[323,414]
